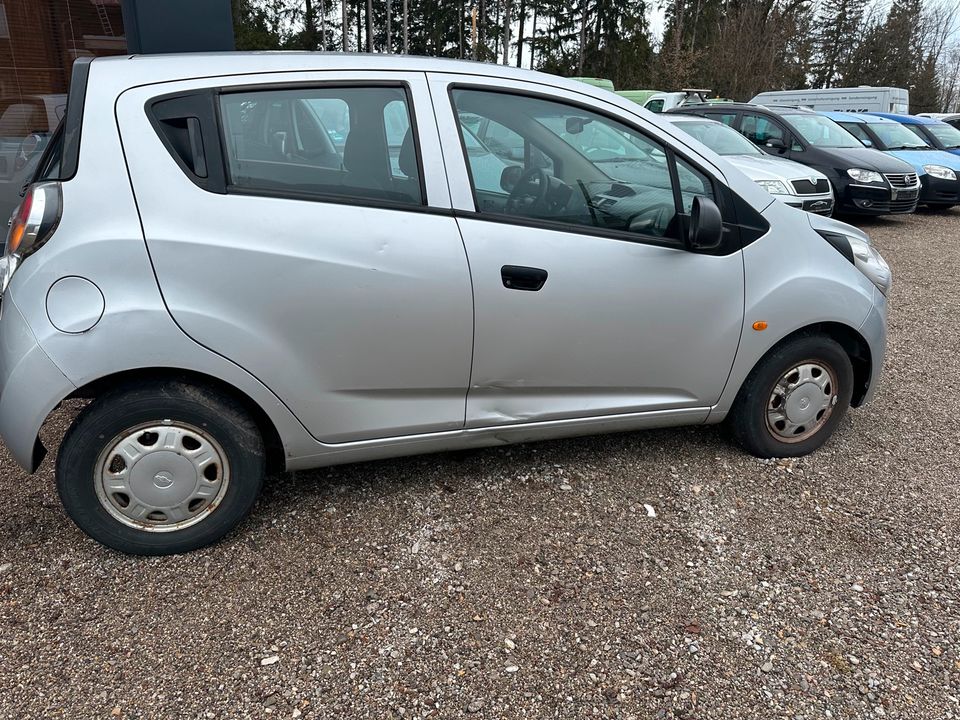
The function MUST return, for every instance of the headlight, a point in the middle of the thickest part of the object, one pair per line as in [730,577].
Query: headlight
[774,187]
[939,171]
[864,257]
[865,176]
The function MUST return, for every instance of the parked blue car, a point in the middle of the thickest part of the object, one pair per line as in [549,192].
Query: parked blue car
[939,171]
[939,134]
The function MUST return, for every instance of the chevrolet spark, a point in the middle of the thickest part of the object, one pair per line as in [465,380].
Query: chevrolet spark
[257,262]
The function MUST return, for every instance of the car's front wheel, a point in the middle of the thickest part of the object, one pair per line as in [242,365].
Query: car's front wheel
[160,468]
[794,399]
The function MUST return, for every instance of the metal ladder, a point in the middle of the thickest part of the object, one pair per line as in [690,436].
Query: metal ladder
[104,19]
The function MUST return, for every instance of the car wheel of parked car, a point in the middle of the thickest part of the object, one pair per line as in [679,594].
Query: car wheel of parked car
[794,399]
[162,468]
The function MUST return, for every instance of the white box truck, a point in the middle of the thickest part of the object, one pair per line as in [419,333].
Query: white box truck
[855,99]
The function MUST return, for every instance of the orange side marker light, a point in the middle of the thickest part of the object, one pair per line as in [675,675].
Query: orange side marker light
[760,325]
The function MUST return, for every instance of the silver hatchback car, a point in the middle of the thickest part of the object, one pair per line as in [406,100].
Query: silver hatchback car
[258,262]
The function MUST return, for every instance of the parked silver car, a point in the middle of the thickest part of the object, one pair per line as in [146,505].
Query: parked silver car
[239,288]
[788,181]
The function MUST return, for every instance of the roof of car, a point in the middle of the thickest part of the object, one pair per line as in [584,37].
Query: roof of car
[688,117]
[138,69]
[721,107]
[856,117]
[907,119]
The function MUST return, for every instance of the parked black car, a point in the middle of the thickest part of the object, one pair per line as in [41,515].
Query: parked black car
[865,181]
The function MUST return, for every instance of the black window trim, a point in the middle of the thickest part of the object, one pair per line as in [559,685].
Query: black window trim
[279,193]
[723,197]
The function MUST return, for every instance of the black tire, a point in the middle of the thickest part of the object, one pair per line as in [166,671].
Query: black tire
[112,414]
[748,421]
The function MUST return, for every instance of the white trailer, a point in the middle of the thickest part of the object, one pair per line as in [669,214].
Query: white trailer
[855,99]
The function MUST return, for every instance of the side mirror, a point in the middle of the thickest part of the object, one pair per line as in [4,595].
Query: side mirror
[776,144]
[575,125]
[30,146]
[705,231]
[510,177]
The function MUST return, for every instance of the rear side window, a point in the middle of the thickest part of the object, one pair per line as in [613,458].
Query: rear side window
[354,143]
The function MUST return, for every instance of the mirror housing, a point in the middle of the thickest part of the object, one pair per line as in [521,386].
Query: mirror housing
[29,147]
[510,177]
[575,125]
[776,144]
[705,228]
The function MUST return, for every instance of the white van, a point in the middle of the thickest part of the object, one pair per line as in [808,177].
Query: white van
[855,99]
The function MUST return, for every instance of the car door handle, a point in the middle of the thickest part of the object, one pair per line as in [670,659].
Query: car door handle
[519,277]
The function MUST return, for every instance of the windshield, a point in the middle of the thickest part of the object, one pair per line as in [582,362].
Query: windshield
[822,132]
[894,136]
[948,135]
[720,138]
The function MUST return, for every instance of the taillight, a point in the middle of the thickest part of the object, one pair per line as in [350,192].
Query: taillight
[31,226]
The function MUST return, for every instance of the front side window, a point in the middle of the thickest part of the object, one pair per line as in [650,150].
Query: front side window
[353,143]
[858,132]
[761,130]
[822,132]
[600,173]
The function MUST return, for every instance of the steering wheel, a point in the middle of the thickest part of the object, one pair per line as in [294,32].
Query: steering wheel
[530,192]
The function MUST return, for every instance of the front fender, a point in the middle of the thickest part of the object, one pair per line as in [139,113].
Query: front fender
[812,284]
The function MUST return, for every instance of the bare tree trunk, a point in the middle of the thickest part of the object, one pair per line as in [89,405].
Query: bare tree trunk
[473,31]
[523,18]
[506,32]
[482,28]
[583,35]
[309,27]
[345,24]
[369,26]
[359,27]
[323,26]
[460,22]
[533,35]
[406,47]
[389,28]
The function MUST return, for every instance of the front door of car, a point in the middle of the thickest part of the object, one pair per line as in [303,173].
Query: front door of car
[586,301]
[326,261]
[766,133]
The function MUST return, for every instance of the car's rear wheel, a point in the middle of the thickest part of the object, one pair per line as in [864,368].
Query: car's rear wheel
[794,399]
[162,468]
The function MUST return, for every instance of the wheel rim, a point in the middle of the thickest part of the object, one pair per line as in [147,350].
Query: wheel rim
[161,477]
[802,401]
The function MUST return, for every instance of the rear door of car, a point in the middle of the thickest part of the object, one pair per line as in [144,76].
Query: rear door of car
[300,225]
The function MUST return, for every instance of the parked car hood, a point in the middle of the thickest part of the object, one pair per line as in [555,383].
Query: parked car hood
[868,159]
[765,167]
[919,158]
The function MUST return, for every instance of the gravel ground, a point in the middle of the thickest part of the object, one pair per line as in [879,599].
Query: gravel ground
[532,581]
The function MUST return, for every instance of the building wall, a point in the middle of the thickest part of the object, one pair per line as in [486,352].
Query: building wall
[39,40]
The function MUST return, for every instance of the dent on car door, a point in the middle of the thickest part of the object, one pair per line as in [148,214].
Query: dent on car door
[320,266]
[586,302]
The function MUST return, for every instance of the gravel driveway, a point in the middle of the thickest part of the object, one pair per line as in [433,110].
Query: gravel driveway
[533,581]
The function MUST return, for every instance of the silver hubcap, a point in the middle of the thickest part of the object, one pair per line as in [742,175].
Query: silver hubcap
[162,477]
[802,401]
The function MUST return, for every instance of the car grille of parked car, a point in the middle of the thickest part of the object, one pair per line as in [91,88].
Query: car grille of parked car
[805,187]
[901,180]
